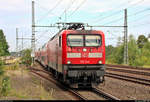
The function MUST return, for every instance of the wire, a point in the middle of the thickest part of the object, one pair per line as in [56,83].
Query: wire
[137,25]
[139,2]
[119,10]
[41,35]
[70,4]
[77,8]
[139,18]
[113,21]
[103,18]
[50,10]
[147,9]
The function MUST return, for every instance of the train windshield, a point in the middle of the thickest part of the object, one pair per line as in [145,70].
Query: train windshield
[92,40]
[84,40]
[75,40]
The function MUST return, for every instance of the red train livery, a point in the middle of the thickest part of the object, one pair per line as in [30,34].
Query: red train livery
[75,57]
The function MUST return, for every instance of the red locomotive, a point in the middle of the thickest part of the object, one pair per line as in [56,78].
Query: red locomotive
[76,57]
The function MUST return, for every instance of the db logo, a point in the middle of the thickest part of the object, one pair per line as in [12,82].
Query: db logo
[84,55]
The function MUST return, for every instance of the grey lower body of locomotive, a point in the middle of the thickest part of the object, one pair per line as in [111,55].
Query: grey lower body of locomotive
[84,75]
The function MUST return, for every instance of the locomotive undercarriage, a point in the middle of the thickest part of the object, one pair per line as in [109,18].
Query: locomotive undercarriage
[85,76]
[80,76]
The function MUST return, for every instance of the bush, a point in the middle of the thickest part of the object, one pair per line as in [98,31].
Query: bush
[26,58]
[5,88]
[1,68]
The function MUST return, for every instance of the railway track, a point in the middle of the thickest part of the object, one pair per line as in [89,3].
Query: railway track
[127,73]
[132,71]
[104,94]
[128,78]
[74,92]
[128,67]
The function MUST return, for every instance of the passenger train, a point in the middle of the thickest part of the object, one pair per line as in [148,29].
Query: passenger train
[75,56]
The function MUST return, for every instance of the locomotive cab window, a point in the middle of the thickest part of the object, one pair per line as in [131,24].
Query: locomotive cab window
[75,40]
[92,40]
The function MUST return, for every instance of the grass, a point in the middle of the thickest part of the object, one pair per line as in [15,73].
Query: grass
[146,66]
[32,89]
[12,67]
[19,95]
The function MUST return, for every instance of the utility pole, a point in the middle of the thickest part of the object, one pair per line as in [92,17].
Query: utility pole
[17,41]
[33,34]
[125,38]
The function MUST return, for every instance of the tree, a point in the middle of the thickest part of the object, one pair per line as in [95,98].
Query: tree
[141,41]
[3,45]
[109,51]
[118,54]
[26,58]
[133,51]
[120,41]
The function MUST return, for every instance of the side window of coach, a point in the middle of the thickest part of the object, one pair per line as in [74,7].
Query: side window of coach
[59,41]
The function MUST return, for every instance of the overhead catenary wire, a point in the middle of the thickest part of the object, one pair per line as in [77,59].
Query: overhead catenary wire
[138,12]
[41,35]
[119,19]
[139,18]
[134,26]
[117,12]
[77,8]
[50,11]
[105,17]
[68,7]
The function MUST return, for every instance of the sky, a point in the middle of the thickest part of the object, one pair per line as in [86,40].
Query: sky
[18,14]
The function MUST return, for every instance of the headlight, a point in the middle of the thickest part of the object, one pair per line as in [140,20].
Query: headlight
[84,49]
[100,62]
[68,62]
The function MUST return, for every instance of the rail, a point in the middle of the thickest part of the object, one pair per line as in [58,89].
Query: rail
[104,94]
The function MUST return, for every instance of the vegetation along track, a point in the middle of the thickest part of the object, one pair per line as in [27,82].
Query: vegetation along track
[127,67]
[74,92]
[136,75]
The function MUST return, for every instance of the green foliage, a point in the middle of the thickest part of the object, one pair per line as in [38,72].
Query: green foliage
[1,68]
[26,58]
[114,54]
[146,53]
[137,56]
[132,51]
[109,50]
[3,45]
[5,88]
[141,41]
[118,54]
[15,66]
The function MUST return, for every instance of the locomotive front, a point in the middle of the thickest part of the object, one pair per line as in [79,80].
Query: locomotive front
[84,57]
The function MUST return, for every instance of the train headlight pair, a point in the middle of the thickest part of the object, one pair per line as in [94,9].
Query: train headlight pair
[68,62]
[99,62]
